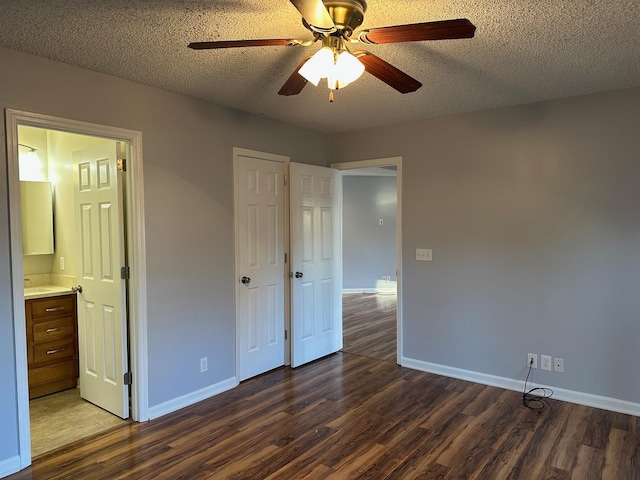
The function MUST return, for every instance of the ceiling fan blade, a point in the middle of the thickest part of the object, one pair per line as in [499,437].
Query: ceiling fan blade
[267,42]
[295,83]
[387,73]
[316,15]
[417,32]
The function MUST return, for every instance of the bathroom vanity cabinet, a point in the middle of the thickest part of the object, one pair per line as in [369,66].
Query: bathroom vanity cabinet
[52,344]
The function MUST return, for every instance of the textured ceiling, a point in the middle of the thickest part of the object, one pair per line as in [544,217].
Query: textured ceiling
[524,51]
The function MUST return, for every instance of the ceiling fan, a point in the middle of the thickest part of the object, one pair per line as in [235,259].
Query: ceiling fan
[333,22]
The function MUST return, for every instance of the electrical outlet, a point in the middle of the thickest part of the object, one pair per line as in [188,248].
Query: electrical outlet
[532,359]
[423,254]
[558,364]
[61,263]
[545,362]
[203,365]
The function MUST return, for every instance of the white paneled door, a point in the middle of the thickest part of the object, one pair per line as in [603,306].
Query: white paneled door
[316,262]
[102,327]
[260,267]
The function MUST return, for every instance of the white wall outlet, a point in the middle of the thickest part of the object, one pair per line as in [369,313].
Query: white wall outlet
[545,362]
[532,359]
[204,364]
[423,254]
[558,364]
[61,263]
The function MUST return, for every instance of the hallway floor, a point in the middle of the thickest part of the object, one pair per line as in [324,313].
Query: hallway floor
[369,325]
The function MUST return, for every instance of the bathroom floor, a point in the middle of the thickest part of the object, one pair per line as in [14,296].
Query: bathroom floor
[64,417]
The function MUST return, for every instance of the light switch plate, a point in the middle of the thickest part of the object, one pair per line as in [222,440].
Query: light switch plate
[423,254]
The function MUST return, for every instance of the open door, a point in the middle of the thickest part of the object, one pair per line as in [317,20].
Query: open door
[102,326]
[259,186]
[316,262]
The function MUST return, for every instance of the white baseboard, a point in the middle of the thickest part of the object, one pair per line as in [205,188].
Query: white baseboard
[9,466]
[191,398]
[581,398]
[391,290]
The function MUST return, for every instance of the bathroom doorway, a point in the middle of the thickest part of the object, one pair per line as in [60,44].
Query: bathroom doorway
[41,149]
[60,407]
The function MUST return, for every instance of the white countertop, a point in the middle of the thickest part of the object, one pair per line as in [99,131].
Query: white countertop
[44,291]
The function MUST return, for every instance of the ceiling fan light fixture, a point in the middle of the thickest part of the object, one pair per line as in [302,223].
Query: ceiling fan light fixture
[348,68]
[318,66]
[340,69]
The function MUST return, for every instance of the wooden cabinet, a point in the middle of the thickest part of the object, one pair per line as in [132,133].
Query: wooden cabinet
[52,344]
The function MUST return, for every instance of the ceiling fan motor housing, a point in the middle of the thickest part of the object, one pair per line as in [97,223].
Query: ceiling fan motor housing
[346,14]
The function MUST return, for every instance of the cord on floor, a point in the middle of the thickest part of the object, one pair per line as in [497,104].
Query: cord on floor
[532,400]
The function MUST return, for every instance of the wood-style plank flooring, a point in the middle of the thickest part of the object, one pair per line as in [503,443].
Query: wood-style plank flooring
[369,325]
[350,416]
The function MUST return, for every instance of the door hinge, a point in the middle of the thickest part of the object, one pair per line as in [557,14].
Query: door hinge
[285,258]
[122,164]
[125,273]
[285,334]
[286,180]
[128,378]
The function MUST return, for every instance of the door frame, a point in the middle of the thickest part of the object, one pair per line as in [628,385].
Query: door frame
[387,162]
[136,259]
[243,152]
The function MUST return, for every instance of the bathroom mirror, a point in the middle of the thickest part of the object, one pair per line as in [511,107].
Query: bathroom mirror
[36,200]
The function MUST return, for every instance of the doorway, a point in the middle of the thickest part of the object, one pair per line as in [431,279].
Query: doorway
[372,258]
[39,149]
[58,380]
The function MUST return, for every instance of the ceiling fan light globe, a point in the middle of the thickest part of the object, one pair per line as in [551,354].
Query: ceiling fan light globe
[348,68]
[336,83]
[318,66]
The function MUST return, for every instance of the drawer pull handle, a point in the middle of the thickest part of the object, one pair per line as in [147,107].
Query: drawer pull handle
[51,352]
[53,309]
[49,330]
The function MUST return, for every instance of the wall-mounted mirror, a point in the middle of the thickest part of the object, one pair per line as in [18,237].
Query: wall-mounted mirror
[36,200]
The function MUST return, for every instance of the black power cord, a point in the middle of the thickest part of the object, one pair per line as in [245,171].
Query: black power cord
[532,400]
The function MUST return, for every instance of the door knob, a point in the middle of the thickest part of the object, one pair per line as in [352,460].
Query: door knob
[77,289]
[299,275]
[245,280]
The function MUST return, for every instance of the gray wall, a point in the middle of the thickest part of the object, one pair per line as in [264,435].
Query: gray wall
[368,248]
[533,215]
[188,182]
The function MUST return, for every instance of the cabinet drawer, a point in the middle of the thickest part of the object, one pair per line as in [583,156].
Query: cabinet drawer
[45,352]
[50,330]
[53,373]
[53,306]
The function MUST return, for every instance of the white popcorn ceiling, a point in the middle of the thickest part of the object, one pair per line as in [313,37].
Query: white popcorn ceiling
[524,51]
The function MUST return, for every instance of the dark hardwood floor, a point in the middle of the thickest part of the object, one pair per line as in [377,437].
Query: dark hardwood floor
[350,416]
[369,325]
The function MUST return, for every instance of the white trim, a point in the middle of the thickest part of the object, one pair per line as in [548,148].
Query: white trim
[136,259]
[581,398]
[376,162]
[9,466]
[382,291]
[243,152]
[176,404]
[385,162]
